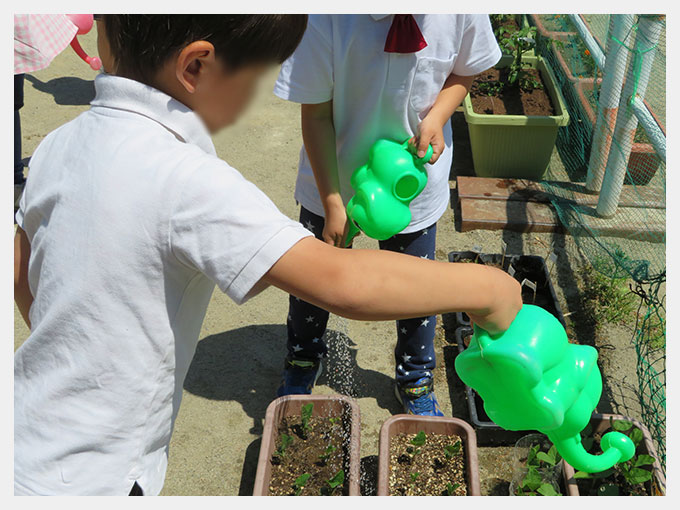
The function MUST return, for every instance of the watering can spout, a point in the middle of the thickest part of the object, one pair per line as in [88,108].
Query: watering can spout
[616,447]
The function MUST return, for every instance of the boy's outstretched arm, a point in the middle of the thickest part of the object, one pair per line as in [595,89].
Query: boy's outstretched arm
[22,293]
[383,285]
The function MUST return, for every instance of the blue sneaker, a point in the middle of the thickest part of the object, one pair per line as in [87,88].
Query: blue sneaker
[418,397]
[299,377]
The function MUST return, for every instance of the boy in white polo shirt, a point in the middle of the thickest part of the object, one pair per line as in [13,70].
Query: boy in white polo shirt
[360,78]
[128,221]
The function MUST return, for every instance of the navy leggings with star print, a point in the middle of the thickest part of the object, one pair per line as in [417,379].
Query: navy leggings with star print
[414,352]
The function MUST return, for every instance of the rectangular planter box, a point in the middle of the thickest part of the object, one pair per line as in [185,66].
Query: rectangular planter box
[324,405]
[488,433]
[643,162]
[410,424]
[600,423]
[516,146]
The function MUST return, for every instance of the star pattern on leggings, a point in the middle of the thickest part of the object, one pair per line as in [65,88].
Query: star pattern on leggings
[405,357]
[425,322]
[309,226]
[404,331]
[297,348]
[425,232]
[316,340]
[424,256]
[310,318]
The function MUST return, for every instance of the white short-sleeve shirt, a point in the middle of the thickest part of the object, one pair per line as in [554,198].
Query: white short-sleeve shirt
[132,221]
[382,95]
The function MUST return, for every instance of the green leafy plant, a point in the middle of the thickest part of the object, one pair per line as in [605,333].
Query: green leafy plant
[285,442]
[327,453]
[631,474]
[333,483]
[451,450]
[451,488]
[305,415]
[418,441]
[300,483]
[533,485]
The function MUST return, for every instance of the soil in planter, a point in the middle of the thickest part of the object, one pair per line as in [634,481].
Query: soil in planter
[429,472]
[303,456]
[512,100]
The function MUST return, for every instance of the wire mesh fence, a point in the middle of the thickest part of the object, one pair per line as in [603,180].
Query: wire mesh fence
[627,250]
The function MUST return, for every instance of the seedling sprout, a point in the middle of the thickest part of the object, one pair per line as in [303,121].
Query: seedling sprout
[300,483]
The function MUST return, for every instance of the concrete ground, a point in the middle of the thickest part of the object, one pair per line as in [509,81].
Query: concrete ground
[239,357]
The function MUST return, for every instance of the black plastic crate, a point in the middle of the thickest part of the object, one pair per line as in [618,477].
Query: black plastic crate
[534,268]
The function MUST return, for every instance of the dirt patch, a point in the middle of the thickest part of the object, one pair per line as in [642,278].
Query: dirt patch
[511,100]
[426,469]
[319,452]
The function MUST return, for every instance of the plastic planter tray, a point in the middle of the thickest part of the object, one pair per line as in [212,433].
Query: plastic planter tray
[600,423]
[516,146]
[534,268]
[324,405]
[410,424]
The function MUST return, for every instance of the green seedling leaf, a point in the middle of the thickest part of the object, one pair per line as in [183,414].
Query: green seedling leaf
[578,475]
[608,489]
[306,414]
[532,480]
[414,476]
[286,441]
[327,453]
[636,436]
[643,460]
[419,440]
[637,475]
[621,425]
[547,489]
[337,480]
[532,455]
[451,488]
[300,483]
[452,449]
[552,457]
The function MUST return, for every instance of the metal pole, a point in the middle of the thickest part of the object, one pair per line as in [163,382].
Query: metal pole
[637,78]
[654,132]
[588,40]
[620,27]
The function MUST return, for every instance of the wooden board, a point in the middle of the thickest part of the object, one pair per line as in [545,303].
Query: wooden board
[531,191]
[541,217]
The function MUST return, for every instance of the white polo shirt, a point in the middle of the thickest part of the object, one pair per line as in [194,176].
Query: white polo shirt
[132,221]
[382,95]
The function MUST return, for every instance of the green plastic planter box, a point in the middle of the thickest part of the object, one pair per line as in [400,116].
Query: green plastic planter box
[516,146]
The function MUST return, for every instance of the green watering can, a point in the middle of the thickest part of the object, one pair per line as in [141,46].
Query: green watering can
[531,378]
[384,188]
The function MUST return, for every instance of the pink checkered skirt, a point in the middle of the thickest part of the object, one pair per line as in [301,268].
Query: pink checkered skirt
[38,38]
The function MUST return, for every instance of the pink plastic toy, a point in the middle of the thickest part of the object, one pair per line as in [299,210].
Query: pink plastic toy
[84,23]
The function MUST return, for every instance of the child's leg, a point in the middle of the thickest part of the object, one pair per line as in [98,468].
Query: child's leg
[307,322]
[18,103]
[414,353]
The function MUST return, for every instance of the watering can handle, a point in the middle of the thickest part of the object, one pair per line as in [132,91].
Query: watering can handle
[425,158]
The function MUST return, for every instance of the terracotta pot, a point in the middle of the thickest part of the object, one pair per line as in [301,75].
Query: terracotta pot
[600,423]
[411,424]
[535,20]
[324,405]
[643,162]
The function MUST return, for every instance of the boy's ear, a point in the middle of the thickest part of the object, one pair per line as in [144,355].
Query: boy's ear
[194,59]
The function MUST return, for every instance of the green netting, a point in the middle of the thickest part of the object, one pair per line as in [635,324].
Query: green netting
[628,249]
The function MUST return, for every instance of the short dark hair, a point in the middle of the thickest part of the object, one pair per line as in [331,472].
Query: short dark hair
[141,43]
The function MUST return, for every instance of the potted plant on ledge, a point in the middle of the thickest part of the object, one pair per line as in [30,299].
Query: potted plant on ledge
[513,113]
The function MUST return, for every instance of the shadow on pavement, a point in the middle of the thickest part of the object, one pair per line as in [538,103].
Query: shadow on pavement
[244,365]
[66,90]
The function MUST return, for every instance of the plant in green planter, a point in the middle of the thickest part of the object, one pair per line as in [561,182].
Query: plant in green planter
[517,43]
[628,477]
[511,137]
